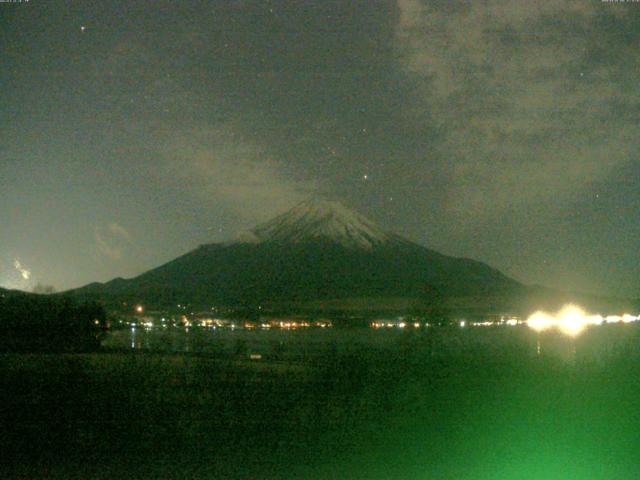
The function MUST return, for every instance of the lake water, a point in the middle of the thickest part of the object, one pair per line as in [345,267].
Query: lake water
[293,343]
[473,403]
[596,343]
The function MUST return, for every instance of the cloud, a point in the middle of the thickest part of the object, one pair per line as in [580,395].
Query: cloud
[223,168]
[119,231]
[527,107]
[112,240]
[24,272]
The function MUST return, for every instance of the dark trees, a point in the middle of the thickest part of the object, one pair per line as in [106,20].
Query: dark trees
[50,323]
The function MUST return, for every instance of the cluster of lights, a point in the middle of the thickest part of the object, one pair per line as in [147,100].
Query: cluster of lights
[381,324]
[572,320]
[294,324]
[133,325]
[214,323]
[462,323]
[509,321]
[211,322]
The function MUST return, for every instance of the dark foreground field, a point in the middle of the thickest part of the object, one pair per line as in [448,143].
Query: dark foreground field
[476,405]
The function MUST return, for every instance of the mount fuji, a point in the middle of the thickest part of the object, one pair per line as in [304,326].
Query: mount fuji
[319,251]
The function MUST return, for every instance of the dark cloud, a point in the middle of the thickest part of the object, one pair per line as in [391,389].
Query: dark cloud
[528,116]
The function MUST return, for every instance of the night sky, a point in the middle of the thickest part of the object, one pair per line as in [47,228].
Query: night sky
[505,131]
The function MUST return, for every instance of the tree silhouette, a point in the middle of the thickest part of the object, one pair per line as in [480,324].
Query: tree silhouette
[34,322]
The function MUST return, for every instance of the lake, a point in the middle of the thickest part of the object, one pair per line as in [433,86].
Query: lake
[495,403]
[314,344]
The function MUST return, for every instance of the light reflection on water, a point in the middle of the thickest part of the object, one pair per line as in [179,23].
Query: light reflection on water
[595,344]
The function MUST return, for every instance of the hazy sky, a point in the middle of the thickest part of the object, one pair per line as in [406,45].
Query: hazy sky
[505,131]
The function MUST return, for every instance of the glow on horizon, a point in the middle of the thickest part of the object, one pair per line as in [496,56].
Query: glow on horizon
[572,320]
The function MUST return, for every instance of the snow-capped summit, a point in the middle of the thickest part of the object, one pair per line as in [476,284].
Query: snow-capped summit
[319,220]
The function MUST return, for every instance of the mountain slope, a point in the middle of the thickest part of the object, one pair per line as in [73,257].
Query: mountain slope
[318,250]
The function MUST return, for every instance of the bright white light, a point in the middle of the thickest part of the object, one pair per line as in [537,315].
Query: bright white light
[540,321]
[463,323]
[596,319]
[572,320]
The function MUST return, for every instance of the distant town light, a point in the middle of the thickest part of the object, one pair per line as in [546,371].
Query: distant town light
[139,308]
[483,324]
